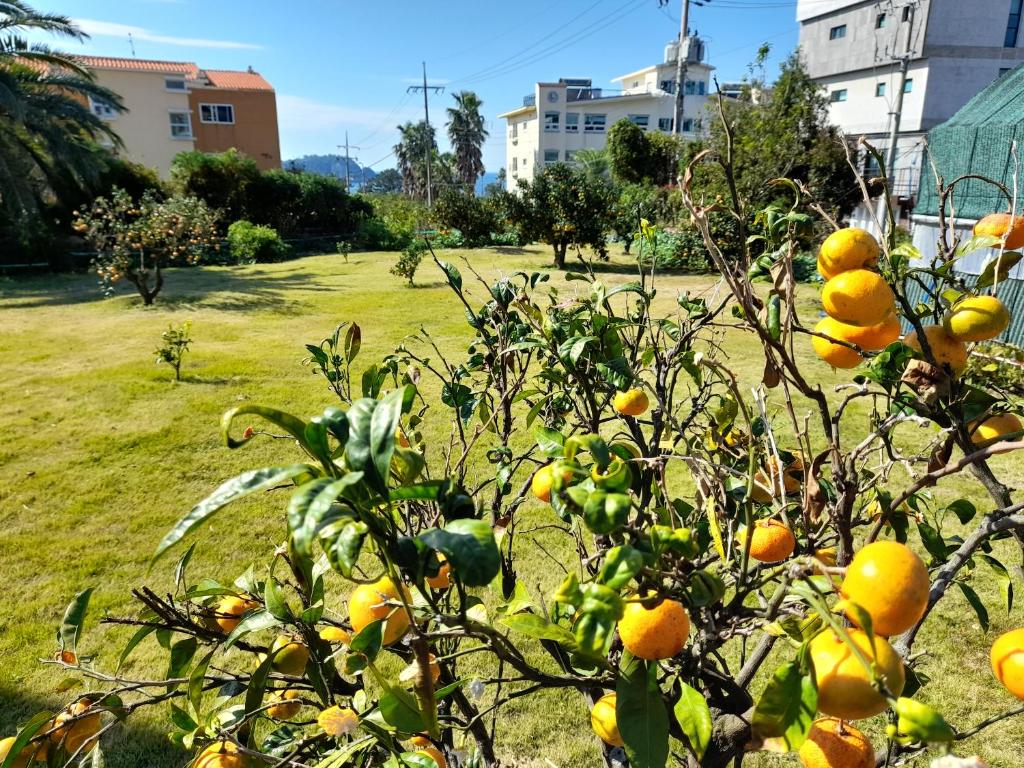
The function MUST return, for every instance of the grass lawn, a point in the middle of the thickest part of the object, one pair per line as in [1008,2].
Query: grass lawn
[102,451]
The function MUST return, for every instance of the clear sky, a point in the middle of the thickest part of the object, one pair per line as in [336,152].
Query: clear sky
[342,65]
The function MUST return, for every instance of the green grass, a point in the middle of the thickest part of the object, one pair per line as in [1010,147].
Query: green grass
[102,451]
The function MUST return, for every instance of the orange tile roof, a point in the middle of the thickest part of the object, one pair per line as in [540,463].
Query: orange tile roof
[236,81]
[186,68]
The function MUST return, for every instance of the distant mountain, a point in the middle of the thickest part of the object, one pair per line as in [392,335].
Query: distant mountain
[331,165]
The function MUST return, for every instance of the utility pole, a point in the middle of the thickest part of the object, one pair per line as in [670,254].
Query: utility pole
[897,108]
[681,62]
[426,117]
[348,180]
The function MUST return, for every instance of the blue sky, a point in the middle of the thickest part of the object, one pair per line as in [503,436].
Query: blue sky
[346,64]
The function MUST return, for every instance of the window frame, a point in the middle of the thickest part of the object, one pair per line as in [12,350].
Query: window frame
[837,96]
[666,124]
[689,125]
[880,90]
[187,114]
[881,20]
[184,85]
[552,126]
[572,122]
[550,156]
[668,86]
[214,113]
[1013,23]
[908,85]
[837,32]
[570,155]
[102,109]
[595,126]
[636,120]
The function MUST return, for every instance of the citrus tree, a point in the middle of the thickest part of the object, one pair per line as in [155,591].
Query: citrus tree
[746,572]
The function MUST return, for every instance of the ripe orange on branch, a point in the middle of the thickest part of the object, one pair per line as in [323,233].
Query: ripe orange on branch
[1007,659]
[1008,228]
[889,581]
[633,402]
[976,318]
[654,633]
[604,720]
[221,754]
[847,249]
[771,541]
[544,479]
[870,338]
[831,743]
[858,297]
[370,602]
[845,686]
[994,428]
[944,348]
[229,610]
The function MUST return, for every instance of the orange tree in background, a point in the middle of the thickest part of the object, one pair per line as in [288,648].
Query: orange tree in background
[798,537]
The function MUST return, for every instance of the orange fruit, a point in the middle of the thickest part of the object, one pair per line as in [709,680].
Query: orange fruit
[230,608]
[24,757]
[976,318]
[603,720]
[443,579]
[285,707]
[994,428]
[771,541]
[632,402]
[844,686]
[869,337]
[290,656]
[76,729]
[335,635]
[419,740]
[889,581]
[434,754]
[944,348]
[369,602]
[221,754]
[847,249]
[1002,225]
[832,743]
[1008,661]
[544,478]
[858,297]
[658,632]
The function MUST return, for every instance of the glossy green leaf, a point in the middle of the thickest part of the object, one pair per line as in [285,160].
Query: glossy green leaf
[38,723]
[786,707]
[550,441]
[254,621]
[273,598]
[239,487]
[74,616]
[694,718]
[197,680]
[998,269]
[257,687]
[182,653]
[976,604]
[539,628]
[620,565]
[399,709]
[294,426]
[640,713]
[470,548]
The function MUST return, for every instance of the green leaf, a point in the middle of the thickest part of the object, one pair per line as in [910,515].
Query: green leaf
[640,713]
[292,425]
[398,708]
[620,565]
[964,510]
[255,621]
[317,508]
[539,628]
[550,441]
[976,243]
[920,722]
[353,341]
[196,681]
[787,706]
[470,548]
[74,616]
[989,274]
[452,274]
[694,718]
[182,653]
[933,542]
[141,634]
[37,724]
[369,639]
[257,687]
[1002,578]
[179,569]
[384,424]
[976,604]
[239,487]
[616,372]
[273,598]
[182,719]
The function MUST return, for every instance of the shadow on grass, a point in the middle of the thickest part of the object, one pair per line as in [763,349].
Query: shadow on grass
[229,289]
[127,745]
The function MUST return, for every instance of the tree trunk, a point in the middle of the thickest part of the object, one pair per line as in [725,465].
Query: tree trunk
[560,249]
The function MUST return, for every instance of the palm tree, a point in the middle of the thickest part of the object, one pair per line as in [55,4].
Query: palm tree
[467,134]
[48,133]
[416,140]
[594,164]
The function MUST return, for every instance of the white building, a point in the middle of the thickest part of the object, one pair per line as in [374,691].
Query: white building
[561,118]
[957,47]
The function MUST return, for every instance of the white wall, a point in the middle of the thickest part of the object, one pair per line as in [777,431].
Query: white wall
[865,113]
[925,233]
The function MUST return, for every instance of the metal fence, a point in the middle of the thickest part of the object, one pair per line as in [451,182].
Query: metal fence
[1011,293]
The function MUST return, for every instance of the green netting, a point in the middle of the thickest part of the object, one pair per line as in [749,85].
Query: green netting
[977,139]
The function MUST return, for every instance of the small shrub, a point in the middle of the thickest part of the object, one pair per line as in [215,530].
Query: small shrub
[451,238]
[393,226]
[255,244]
[176,342]
[682,251]
[409,261]
[344,248]
[805,268]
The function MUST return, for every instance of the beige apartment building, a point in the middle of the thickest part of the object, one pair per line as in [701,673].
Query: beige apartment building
[175,106]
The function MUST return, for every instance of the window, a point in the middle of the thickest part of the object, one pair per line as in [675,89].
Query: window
[181,125]
[1013,24]
[551,120]
[839,95]
[572,122]
[871,168]
[570,155]
[837,32]
[879,89]
[515,130]
[906,12]
[550,156]
[880,21]
[174,84]
[688,125]
[908,86]
[594,123]
[695,88]
[515,164]
[665,124]
[217,113]
[668,86]
[640,120]
[104,110]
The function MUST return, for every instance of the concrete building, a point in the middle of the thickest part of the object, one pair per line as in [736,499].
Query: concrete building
[560,118]
[174,106]
[956,49]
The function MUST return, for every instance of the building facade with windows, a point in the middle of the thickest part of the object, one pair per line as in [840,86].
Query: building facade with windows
[956,49]
[561,118]
[173,107]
